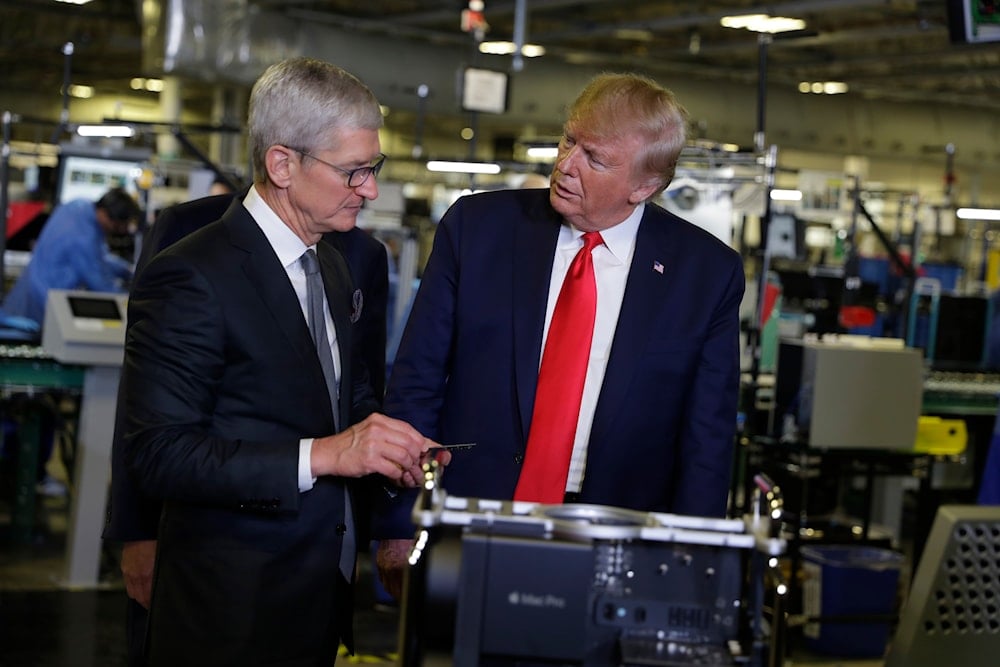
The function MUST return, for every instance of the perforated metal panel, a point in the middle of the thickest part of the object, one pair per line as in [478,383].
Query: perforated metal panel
[952,614]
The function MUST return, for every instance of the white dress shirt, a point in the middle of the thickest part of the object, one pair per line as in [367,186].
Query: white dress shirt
[289,249]
[611,265]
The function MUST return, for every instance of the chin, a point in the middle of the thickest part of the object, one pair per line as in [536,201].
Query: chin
[562,206]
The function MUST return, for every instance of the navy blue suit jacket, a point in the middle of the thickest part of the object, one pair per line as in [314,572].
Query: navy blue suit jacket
[467,365]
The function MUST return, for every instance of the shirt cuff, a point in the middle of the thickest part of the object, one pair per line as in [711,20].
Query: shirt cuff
[306,479]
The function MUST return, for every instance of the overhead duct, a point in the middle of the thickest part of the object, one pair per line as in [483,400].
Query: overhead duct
[215,40]
[234,41]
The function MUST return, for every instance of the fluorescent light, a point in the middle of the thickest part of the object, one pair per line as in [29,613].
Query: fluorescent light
[786,195]
[74,2]
[634,34]
[506,48]
[105,131]
[81,92]
[464,167]
[823,87]
[152,85]
[542,152]
[762,23]
[978,214]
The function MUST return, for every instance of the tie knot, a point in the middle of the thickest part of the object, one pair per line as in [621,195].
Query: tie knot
[591,240]
[309,262]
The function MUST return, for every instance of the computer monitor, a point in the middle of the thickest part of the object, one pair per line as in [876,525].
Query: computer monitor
[960,342]
[973,21]
[88,172]
[952,613]
[816,291]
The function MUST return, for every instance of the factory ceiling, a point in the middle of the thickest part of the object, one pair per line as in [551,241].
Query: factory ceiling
[894,50]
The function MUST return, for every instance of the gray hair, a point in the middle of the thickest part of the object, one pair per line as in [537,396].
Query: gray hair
[298,101]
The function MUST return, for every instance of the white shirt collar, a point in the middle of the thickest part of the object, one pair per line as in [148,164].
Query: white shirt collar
[619,239]
[287,246]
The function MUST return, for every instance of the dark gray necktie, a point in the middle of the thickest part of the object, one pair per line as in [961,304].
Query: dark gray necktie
[317,327]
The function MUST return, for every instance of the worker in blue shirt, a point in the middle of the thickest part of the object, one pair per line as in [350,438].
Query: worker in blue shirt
[72,253]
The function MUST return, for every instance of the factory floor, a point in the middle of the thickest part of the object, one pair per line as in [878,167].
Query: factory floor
[44,625]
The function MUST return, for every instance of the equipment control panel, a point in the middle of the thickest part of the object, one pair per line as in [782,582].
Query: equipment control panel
[83,327]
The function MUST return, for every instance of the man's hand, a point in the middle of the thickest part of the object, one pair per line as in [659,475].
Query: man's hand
[379,444]
[137,568]
[391,561]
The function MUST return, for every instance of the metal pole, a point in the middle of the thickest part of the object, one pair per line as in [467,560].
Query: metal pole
[4,201]
[67,78]
[520,16]
[418,139]
[762,42]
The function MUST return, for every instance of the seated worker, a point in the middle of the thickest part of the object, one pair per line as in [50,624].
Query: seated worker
[72,253]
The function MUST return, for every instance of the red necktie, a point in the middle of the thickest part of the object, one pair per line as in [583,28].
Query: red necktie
[560,382]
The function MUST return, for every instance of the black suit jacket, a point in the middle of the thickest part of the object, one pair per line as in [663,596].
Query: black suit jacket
[221,381]
[134,516]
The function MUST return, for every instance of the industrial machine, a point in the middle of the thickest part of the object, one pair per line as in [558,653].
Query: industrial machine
[950,615]
[499,582]
[87,329]
[848,393]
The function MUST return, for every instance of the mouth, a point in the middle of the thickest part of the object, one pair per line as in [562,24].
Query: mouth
[562,191]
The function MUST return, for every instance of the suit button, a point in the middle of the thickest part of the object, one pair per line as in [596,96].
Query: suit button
[341,529]
[518,459]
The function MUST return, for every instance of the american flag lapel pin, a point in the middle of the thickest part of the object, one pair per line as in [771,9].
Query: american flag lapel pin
[658,267]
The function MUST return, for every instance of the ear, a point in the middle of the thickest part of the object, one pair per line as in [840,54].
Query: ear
[281,163]
[644,190]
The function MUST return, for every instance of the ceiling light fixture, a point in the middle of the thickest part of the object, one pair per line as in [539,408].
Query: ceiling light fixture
[978,214]
[507,48]
[81,92]
[464,167]
[74,2]
[542,152]
[106,131]
[634,34]
[762,23]
[786,195]
[152,85]
[823,87]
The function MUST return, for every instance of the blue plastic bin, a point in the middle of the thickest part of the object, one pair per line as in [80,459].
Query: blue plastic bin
[848,580]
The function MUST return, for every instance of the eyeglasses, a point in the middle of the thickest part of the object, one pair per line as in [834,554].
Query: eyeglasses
[355,177]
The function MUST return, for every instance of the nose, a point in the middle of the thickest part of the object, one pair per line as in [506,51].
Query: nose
[565,161]
[368,189]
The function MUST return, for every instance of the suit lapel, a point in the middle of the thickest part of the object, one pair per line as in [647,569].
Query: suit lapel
[534,244]
[645,290]
[269,280]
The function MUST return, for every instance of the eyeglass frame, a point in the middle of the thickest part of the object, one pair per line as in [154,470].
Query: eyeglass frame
[369,170]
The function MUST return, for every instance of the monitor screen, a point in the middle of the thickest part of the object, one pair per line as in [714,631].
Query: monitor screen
[86,173]
[960,343]
[94,308]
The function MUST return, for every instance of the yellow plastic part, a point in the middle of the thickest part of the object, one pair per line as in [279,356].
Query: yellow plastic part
[936,435]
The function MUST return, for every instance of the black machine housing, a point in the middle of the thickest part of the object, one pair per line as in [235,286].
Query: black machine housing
[511,583]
